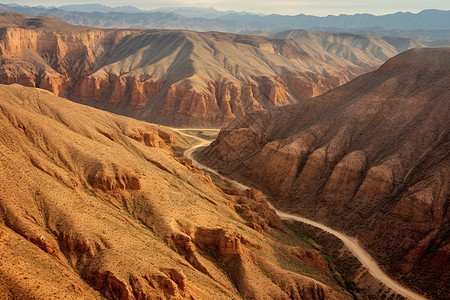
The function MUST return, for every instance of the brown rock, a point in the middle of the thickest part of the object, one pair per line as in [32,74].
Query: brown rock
[311,257]
[252,205]
[113,178]
[110,285]
[369,157]
[227,244]
[345,178]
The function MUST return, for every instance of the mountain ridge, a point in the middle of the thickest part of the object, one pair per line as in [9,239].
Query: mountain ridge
[182,77]
[368,157]
[237,22]
[100,8]
[99,206]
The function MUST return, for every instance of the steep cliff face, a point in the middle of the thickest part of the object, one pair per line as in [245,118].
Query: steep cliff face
[95,205]
[180,77]
[370,157]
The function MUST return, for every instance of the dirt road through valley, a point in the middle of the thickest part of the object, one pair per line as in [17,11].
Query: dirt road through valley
[350,242]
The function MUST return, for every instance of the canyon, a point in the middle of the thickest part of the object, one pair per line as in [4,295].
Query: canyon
[369,158]
[95,205]
[378,279]
[347,132]
[183,78]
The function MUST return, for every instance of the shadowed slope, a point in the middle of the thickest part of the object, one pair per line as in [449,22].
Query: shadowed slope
[370,157]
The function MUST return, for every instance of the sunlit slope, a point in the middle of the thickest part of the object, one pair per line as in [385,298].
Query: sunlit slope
[370,157]
[94,205]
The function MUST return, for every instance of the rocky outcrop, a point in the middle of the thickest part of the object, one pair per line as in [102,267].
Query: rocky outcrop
[166,284]
[311,257]
[94,205]
[368,157]
[227,244]
[112,178]
[252,205]
[181,77]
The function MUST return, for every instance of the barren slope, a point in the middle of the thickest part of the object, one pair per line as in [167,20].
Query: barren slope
[94,205]
[182,77]
[371,157]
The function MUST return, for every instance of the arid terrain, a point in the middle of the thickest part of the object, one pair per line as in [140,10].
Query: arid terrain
[94,205]
[301,164]
[183,78]
[370,157]
[364,273]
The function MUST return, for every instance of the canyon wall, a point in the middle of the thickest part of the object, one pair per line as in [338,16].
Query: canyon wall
[181,77]
[370,158]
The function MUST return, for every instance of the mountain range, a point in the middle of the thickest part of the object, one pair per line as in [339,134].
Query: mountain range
[183,77]
[100,8]
[201,19]
[190,12]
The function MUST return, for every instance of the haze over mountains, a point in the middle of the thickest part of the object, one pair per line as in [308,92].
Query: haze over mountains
[200,19]
[190,12]
[100,8]
[183,77]
[96,205]
[370,157]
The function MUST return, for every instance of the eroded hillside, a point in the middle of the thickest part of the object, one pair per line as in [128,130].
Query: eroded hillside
[94,205]
[370,157]
[182,77]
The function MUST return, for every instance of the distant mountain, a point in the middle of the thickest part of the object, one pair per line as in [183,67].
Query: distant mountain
[189,12]
[4,8]
[184,77]
[198,12]
[431,38]
[370,157]
[194,12]
[426,19]
[209,19]
[100,8]
[148,20]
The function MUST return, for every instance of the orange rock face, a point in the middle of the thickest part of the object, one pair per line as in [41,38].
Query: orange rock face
[227,244]
[370,157]
[180,77]
[97,206]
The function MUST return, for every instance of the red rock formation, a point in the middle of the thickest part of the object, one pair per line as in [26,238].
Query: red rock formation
[178,77]
[94,205]
[370,157]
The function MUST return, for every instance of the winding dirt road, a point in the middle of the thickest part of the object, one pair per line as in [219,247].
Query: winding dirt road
[351,243]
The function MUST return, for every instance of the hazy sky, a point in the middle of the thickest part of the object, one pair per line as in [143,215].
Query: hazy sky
[318,7]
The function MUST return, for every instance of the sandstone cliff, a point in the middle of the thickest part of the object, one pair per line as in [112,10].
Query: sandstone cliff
[181,77]
[94,206]
[370,157]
